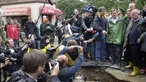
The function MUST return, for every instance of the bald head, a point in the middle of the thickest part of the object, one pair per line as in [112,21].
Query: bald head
[62,59]
[136,11]
[135,14]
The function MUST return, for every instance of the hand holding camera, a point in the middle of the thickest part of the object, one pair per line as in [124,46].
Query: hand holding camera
[71,48]
[7,61]
[55,69]
[80,50]
[77,49]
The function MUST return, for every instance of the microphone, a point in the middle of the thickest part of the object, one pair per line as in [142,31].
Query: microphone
[50,2]
[1,12]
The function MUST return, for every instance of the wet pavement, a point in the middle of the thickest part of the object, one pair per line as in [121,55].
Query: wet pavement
[118,73]
[125,75]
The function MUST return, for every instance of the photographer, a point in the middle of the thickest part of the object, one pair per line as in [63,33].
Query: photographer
[77,37]
[2,65]
[67,73]
[14,55]
[33,66]
[71,51]
[6,62]
[76,22]
[45,44]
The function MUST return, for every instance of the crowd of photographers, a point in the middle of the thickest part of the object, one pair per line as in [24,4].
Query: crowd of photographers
[91,34]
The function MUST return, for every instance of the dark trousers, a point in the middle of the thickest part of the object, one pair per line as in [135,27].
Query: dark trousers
[115,53]
[20,36]
[127,57]
[144,59]
[133,54]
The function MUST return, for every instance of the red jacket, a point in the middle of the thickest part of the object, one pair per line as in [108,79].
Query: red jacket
[12,33]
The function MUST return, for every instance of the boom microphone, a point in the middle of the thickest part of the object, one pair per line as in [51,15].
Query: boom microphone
[50,2]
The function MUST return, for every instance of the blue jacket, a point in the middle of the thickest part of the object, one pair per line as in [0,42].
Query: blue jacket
[99,26]
[68,72]
[63,51]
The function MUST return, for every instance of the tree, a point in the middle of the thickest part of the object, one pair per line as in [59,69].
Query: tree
[67,6]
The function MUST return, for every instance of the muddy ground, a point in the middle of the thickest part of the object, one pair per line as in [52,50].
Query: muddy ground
[97,74]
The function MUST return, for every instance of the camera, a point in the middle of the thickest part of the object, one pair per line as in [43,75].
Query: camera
[76,49]
[29,43]
[53,64]
[50,52]
[4,56]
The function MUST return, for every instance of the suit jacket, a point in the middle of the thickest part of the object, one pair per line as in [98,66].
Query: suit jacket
[128,29]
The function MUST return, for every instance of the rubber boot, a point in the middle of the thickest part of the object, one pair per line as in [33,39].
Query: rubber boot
[135,71]
[129,66]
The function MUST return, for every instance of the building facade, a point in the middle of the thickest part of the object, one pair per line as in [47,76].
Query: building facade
[22,9]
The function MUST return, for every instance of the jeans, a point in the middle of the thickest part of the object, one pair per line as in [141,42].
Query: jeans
[97,50]
[100,49]
[103,49]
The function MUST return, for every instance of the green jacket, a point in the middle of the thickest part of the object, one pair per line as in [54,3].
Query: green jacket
[116,31]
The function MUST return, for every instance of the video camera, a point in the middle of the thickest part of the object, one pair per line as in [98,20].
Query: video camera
[3,57]
[50,52]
